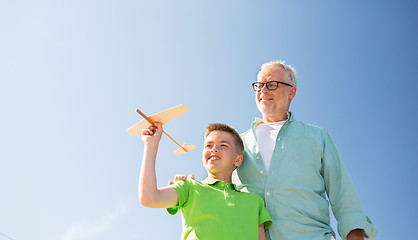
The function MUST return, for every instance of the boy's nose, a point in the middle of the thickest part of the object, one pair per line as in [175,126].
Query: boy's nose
[214,149]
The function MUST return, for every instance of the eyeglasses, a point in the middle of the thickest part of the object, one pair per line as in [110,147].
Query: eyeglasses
[272,85]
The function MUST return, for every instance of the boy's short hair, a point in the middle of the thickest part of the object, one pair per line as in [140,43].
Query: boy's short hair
[239,145]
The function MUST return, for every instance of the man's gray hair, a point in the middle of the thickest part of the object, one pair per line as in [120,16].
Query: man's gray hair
[290,71]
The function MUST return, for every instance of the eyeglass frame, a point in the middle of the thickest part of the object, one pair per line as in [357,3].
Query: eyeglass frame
[266,84]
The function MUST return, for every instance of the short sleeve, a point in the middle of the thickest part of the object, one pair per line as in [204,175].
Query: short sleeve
[263,216]
[182,188]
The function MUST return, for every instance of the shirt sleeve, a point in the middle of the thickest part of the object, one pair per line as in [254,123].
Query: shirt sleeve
[263,216]
[342,195]
[182,188]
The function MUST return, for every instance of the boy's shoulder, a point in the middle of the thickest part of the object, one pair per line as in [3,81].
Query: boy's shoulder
[213,184]
[188,183]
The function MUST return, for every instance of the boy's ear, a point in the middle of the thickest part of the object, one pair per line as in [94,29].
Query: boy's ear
[238,161]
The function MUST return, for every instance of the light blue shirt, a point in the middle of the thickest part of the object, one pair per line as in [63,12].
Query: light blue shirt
[305,168]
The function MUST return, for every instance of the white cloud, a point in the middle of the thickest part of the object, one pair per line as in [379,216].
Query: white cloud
[87,229]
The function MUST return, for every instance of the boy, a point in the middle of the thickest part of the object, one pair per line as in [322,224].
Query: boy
[213,208]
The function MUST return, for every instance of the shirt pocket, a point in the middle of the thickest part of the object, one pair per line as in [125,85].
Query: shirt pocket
[301,163]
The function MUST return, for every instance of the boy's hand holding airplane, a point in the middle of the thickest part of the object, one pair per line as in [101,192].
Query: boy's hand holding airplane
[162,118]
[152,134]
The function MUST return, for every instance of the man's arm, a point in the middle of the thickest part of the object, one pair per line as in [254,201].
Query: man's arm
[352,222]
[149,194]
[261,232]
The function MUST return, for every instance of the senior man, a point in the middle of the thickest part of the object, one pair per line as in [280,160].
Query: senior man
[296,168]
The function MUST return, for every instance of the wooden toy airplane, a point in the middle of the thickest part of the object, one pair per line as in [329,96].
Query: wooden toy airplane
[163,118]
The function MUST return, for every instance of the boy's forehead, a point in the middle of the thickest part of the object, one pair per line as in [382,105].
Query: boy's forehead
[219,136]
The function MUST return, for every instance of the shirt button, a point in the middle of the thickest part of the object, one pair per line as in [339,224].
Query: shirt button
[261,171]
[268,193]
[258,157]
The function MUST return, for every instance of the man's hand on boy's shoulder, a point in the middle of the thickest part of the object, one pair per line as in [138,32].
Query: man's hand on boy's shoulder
[179,177]
[152,134]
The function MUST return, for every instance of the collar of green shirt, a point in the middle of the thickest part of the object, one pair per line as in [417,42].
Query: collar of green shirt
[212,181]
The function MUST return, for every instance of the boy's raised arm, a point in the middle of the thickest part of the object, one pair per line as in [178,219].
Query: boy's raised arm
[149,194]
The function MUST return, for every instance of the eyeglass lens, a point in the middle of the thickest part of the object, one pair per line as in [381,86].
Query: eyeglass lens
[269,85]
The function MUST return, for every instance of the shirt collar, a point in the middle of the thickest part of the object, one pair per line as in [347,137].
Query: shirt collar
[257,121]
[212,181]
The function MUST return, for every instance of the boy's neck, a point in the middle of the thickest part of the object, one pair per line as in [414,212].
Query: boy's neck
[224,177]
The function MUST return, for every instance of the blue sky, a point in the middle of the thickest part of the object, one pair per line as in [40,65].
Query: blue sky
[72,74]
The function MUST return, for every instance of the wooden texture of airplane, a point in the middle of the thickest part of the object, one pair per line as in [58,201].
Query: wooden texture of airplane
[163,118]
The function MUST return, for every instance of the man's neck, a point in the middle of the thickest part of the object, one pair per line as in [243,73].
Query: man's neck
[275,118]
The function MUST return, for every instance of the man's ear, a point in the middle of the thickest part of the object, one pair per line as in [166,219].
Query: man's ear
[292,92]
[238,161]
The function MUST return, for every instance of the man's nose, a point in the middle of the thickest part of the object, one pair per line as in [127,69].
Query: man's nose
[264,88]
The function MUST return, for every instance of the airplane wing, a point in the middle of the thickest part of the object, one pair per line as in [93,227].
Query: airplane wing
[186,148]
[162,117]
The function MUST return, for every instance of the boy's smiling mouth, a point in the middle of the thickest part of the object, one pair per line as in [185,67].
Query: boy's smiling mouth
[213,158]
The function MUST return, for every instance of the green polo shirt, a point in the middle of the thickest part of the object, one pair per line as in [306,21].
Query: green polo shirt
[213,209]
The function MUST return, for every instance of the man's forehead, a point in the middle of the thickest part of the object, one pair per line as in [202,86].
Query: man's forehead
[272,72]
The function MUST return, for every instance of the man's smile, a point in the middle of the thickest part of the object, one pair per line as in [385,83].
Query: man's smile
[264,99]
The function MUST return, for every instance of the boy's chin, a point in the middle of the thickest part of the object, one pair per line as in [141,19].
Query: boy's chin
[213,169]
